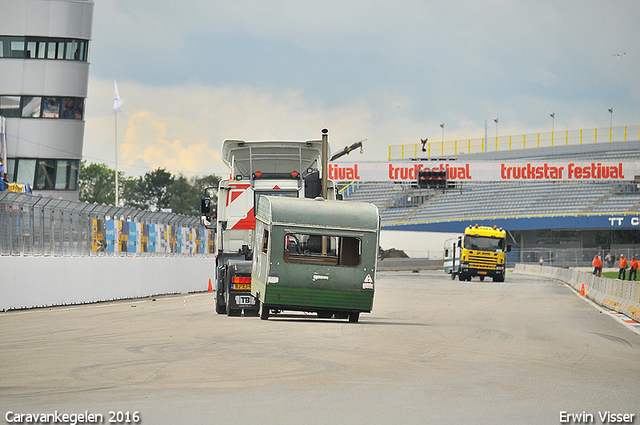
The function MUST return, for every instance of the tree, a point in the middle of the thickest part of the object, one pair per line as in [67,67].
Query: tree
[185,194]
[152,190]
[155,190]
[96,183]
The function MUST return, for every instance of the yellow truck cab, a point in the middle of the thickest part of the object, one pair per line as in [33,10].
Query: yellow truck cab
[480,251]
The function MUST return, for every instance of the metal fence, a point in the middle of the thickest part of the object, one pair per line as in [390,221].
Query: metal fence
[573,257]
[36,225]
[521,141]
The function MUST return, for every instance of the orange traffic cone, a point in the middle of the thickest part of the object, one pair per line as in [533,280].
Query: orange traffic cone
[582,293]
[210,287]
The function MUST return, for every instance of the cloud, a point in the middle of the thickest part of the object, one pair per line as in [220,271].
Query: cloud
[182,128]
[389,72]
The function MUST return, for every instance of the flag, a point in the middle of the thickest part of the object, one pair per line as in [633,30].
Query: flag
[117,103]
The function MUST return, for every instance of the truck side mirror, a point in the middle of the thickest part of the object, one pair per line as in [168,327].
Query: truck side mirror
[205,205]
[459,243]
[508,248]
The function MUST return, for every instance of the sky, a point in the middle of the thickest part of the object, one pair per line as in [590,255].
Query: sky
[194,73]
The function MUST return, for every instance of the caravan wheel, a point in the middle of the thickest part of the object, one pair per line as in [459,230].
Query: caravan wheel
[264,312]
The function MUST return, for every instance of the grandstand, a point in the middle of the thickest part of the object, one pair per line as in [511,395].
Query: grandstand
[524,206]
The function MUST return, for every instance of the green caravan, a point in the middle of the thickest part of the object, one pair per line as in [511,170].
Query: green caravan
[315,255]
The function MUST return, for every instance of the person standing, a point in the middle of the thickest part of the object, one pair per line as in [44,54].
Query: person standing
[623,267]
[607,260]
[633,268]
[597,265]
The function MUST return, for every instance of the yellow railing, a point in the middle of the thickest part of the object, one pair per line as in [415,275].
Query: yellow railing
[522,141]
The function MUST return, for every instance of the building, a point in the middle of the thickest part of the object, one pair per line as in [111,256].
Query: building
[44,75]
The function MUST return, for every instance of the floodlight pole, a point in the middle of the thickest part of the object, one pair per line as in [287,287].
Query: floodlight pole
[325,161]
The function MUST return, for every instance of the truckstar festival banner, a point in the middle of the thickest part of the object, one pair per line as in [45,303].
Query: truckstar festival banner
[484,171]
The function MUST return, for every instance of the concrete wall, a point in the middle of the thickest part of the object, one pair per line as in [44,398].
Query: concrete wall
[622,296]
[28,282]
[416,244]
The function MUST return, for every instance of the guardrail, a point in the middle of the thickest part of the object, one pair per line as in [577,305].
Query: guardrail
[35,225]
[522,141]
[619,295]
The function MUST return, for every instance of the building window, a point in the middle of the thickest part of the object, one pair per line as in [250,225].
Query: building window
[72,108]
[10,106]
[31,106]
[44,174]
[25,171]
[43,48]
[42,107]
[51,107]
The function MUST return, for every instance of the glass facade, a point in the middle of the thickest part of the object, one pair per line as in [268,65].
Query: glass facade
[42,107]
[43,48]
[44,174]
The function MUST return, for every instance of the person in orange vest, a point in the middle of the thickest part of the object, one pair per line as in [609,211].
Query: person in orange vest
[633,268]
[623,267]
[597,265]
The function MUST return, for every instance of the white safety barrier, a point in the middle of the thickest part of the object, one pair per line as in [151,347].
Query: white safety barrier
[620,295]
[28,282]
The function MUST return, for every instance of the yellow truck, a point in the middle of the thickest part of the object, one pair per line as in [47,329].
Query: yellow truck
[480,251]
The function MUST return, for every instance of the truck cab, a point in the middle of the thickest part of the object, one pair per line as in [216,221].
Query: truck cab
[272,168]
[480,251]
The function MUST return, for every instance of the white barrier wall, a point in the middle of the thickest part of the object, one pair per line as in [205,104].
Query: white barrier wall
[28,282]
[622,296]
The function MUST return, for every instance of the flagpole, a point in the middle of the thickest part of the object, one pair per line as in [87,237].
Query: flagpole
[117,103]
[116,140]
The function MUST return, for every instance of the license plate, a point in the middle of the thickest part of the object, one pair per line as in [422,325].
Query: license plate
[245,300]
[482,272]
[242,286]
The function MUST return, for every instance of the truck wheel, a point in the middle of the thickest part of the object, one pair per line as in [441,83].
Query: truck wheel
[481,278]
[251,312]
[221,308]
[354,316]
[264,312]
[498,278]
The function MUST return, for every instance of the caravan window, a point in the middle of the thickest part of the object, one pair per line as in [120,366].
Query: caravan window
[317,249]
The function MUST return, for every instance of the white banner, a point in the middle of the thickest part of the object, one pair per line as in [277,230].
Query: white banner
[484,171]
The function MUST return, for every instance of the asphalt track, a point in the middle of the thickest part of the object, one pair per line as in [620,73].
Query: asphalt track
[433,351]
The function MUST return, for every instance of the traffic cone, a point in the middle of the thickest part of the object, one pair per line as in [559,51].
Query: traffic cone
[582,293]
[210,287]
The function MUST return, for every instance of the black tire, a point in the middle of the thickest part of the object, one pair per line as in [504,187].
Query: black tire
[251,312]
[354,316]
[230,311]
[481,278]
[221,308]
[498,278]
[264,312]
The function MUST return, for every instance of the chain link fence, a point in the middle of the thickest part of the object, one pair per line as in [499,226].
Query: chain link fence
[36,225]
